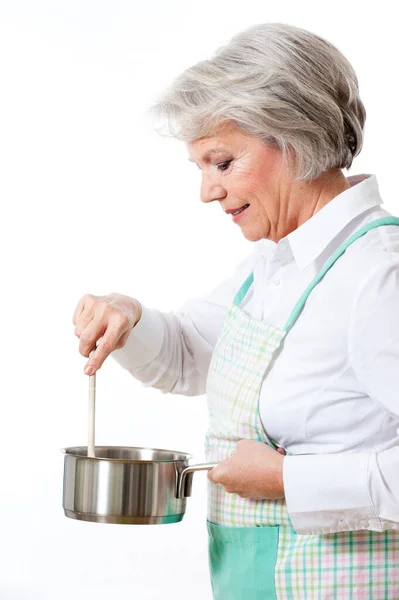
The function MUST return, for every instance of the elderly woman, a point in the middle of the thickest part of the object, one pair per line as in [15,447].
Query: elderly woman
[297,351]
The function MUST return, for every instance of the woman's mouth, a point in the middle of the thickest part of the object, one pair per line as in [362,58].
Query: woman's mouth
[240,213]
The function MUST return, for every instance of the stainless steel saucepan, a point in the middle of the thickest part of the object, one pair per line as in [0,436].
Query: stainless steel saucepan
[119,484]
[127,485]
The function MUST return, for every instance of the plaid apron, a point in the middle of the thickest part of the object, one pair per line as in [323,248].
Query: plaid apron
[254,552]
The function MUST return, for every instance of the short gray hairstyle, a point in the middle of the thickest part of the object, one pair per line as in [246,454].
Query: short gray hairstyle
[289,87]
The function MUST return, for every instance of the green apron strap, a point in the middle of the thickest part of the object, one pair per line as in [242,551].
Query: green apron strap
[337,254]
[239,297]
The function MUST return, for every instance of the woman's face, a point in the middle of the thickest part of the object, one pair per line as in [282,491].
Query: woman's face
[238,170]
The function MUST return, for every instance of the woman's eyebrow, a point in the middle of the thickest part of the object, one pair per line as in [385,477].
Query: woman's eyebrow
[210,153]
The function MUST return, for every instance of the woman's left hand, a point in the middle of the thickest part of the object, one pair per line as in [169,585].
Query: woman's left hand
[254,470]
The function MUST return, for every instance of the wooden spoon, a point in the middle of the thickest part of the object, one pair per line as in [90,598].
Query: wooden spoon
[92,413]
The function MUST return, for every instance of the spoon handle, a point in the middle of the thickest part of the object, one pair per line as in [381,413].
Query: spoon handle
[92,414]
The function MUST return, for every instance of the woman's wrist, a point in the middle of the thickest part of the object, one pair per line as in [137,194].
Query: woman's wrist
[138,311]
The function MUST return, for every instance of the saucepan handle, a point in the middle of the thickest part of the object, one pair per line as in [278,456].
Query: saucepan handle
[184,481]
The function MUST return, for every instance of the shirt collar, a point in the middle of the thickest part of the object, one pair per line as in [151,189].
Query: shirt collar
[309,240]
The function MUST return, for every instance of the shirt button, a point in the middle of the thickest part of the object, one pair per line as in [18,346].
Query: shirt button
[275,281]
[364,523]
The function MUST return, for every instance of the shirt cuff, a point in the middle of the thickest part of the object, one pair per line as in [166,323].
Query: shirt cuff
[144,342]
[327,493]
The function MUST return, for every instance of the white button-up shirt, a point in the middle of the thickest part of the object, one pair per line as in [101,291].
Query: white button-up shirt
[331,397]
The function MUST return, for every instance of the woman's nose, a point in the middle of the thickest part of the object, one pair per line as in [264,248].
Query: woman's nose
[211,190]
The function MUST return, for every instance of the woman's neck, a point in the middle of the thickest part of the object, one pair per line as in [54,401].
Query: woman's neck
[299,201]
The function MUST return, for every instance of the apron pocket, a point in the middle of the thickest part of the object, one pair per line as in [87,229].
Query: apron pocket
[242,562]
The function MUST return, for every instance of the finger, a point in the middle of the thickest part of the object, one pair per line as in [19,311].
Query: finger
[106,345]
[78,311]
[87,313]
[84,319]
[90,335]
[211,475]
[84,302]
[216,475]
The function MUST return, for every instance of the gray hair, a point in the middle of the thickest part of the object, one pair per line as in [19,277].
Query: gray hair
[289,87]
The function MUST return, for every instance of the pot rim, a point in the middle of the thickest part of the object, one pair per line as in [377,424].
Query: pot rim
[69,451]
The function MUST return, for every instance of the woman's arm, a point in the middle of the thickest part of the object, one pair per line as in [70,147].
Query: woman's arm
[172,351]
[351,491]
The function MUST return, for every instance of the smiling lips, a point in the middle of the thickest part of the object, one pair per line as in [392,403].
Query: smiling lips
[236,211]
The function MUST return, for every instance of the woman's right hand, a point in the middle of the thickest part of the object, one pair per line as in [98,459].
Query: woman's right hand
[105,321]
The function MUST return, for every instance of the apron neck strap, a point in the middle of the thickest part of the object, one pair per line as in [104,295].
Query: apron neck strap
[239,297]
[330,262]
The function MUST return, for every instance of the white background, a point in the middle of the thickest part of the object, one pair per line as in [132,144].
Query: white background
[93,200]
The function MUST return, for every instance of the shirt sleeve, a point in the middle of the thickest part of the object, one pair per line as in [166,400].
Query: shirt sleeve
[172,351]
[352,491]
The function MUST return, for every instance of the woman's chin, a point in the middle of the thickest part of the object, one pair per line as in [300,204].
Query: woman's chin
[252,234]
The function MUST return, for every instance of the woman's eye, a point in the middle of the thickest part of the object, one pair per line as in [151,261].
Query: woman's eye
[224,165]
